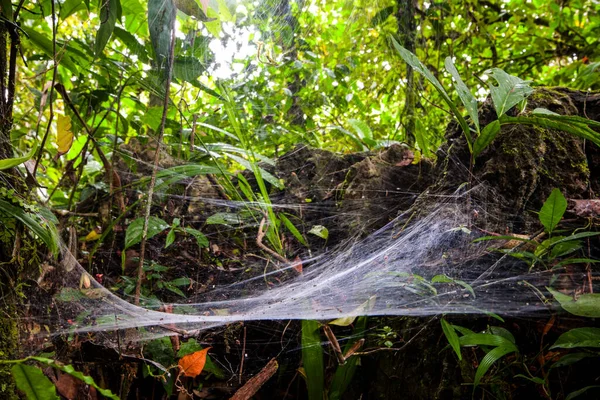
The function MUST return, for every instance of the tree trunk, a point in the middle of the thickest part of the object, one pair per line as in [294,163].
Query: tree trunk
[407,32]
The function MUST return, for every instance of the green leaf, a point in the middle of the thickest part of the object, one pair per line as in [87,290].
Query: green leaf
[170,238]
[447,279]
[45,229]
[191,8]
[484,339]
[294,231]
[452,337]
[464,93]
[200,238]
[586,305]
[553,209]
[45,44]
[561,123]
[578,337]
[133,235]
[487,135]
[344,373]
[70,7]
[363,131]
[13,162]
[414,62]
[312,359]
[32,381]
[187,68]
[132,44]
[76,374]
[161,22]
[570,359]
[579,392]
[422,138]
[108,17]
[490,358]
[320,231]
[509,92]
[224,218]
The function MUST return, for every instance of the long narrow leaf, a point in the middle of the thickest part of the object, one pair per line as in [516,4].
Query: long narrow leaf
[464,93]
[487,135]
[418,66]
[490,358]
[452,337]
[312,359]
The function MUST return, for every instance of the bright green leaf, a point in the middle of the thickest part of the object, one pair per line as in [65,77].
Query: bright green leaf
[553,209]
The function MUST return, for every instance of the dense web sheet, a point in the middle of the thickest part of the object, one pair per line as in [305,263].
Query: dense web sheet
[387,273]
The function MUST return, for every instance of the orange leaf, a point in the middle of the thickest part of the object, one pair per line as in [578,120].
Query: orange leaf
[192,364]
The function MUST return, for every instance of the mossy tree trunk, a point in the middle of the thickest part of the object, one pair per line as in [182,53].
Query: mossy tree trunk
[8,269]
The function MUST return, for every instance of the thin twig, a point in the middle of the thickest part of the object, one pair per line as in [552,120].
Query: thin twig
[161,131]
[243,357]
[259,242]
[54,73]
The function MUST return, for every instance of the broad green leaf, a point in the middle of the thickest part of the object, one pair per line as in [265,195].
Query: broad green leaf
[200,238]
[586,305]
[161,22]
[452,337]
[292,228]
[464,93]
[553,209]
[133,235]
[13,162]
[187,68]
[509,90]
[312,359]
[7,10]
[320,231]
[45,44]
[571,358]
[414,62]
[490,358]
[170,238]
[362,130]
[487,135]
[132,43]
[191,8]
[578,337]
[70,7]
[109,10]
[32,381]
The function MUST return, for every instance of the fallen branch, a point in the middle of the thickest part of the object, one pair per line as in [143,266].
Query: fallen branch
[256,382]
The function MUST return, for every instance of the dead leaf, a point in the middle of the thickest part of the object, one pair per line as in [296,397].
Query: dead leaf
[68,386]
[297,265]
[94,234]
[193,364]
[64,136]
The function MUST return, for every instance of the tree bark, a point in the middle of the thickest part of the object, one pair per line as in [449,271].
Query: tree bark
[407,32]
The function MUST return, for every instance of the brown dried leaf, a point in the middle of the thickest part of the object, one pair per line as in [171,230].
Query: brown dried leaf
[193,364]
